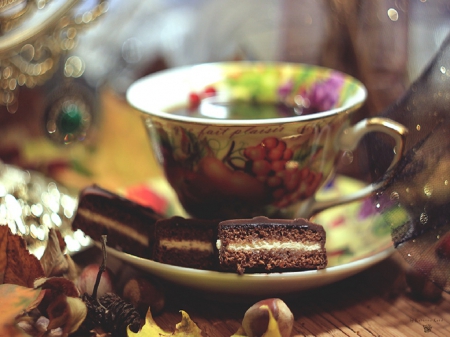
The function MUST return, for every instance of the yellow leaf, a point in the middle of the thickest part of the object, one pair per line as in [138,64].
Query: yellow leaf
[78,312]
[187,327]
[150,329]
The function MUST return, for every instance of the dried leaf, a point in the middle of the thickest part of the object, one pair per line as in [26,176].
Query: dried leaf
[17,265]
[66,313]
[78,312]
[73,270]
[62,243]
[58,312]
[3,247]
[53,260]
[58,285]
[16,300]
[149,329]
[61,303]
[186,328]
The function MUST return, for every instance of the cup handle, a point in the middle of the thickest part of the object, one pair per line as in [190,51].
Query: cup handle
[348,141]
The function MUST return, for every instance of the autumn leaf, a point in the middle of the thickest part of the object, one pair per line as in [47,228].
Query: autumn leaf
[66,313]
[53,260]
[16,300]
[61,303]
[78,313]
[186,328]
[58,285]
[3,248]
[17,265]
[73,270]
[149,329]
[25,288]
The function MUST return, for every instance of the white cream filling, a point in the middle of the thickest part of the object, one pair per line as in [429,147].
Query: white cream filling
[115,225]
[267,245]
[186,244]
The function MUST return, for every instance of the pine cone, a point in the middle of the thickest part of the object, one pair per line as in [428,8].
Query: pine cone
[119,315]
[96,313]
[109,312]
[112,314]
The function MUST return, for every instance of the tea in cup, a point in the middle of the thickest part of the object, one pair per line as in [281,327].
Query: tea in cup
[243,139]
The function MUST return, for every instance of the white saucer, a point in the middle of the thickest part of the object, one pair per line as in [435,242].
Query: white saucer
[357,238]
[251,285]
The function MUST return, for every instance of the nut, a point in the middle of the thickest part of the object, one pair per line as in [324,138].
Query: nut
[142,294]
[256,318]
[86,281]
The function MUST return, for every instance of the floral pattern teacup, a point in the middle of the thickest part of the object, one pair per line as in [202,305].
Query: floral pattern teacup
[243,139]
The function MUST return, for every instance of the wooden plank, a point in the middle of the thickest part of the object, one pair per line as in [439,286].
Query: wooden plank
[395,318]
[342,326]
[373,323]
[317,325]
[436,315]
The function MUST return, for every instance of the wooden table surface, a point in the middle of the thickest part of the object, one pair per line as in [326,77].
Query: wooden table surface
[375,302]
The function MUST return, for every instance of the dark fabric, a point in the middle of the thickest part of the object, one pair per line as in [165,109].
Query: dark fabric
[421,185]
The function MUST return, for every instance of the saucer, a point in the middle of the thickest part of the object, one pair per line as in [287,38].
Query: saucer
[357,238]
[252,285]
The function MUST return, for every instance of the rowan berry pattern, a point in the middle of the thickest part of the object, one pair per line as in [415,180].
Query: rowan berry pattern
[271,162]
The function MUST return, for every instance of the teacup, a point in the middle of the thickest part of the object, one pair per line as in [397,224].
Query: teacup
[242,139]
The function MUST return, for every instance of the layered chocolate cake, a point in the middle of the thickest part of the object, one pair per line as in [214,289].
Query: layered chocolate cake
[261,244]
[186,242]
[252,245]
[129,226]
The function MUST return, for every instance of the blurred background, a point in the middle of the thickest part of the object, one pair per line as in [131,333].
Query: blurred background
[384,43]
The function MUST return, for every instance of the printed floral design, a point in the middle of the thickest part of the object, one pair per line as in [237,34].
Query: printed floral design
[269,171]
[322,95]
[255,168]
[284,179]
[388,213]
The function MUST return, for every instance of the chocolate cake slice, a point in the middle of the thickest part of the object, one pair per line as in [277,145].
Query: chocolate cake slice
[186,242]
[261,244]
[129,226]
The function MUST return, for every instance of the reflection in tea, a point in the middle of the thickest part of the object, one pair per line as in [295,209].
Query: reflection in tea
[240,110]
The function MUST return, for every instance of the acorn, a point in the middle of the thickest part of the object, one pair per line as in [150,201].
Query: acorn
[86,280]
[256,318]
[142,294]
